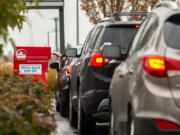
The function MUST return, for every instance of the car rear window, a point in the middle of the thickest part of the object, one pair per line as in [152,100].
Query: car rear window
[119,35]
[171,32]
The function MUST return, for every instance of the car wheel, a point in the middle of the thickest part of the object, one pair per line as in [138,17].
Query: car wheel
[63,109]
[86,123]
[72,113]
[57,106]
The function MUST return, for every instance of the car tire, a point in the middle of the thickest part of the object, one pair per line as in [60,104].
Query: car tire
[72,113]
[63,109]
[57,106]
[86,123]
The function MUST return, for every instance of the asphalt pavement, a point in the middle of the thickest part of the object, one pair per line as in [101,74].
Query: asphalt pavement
[64,128]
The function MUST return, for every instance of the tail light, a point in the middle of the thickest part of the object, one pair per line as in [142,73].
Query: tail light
[154,66]
[68,70]
[137,26]
[98,61]
[159,66]
[173,67]
[166,125]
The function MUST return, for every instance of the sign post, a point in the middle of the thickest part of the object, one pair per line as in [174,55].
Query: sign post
[52,4]
[45,4]
[32,61]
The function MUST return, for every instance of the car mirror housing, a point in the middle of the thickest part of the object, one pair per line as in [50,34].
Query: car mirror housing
[55,65]
[71,52]
[111,52]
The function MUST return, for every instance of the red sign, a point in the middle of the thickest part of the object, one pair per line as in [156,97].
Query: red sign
[32,61]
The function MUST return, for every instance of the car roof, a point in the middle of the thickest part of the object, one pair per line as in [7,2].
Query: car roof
[164,13]
[111,23]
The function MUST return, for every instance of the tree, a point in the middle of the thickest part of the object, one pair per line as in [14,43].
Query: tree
[98,9]
[11,16]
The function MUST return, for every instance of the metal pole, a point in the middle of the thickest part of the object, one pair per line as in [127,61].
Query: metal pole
[61,16]
[48,38]
[77,12]
[56,31]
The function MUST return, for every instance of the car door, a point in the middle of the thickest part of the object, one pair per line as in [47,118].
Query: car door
[76,68]
[86,71]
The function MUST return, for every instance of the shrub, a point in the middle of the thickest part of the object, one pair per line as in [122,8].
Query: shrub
[24,107]
[52,80]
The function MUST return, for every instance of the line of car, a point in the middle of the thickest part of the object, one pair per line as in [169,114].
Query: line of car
[128,73]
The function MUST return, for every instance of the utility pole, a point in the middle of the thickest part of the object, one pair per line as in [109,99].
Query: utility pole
[56,33]
[77,12]
[48,38]
[61,16]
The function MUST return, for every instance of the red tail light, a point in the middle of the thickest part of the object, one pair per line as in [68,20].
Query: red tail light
[166,125]
[159,66]
[173,66]
[68,70]
[154,66]
[98,61]
[137,26]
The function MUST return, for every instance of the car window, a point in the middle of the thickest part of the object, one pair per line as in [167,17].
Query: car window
[89,41]
[79,51]
[68,61]
[86,42]
[144,33]
[96,37]
[171,32]
[121,35]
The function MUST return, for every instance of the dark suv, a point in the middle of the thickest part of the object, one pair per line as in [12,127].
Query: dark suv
[91,75]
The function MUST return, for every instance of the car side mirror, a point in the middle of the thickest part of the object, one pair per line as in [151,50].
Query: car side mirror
[111,52]
[55,65]
[71,52]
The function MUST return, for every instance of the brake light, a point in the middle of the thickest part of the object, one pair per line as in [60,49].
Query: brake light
[162,124]
[173,66]
[154,65]
[137,26]
[68,70]
[98,61]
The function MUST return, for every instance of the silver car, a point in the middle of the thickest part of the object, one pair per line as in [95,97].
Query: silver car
[145,90]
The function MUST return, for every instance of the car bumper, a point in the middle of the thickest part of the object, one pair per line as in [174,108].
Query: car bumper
[90,101]
[148,127]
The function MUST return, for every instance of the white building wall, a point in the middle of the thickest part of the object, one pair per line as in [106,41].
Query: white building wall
[70,23]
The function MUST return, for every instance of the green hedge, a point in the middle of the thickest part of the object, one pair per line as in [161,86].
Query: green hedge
[24,107]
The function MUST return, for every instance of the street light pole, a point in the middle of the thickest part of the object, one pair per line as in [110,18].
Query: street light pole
[48,38]
[56,32]
[77,13]
[61,24]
